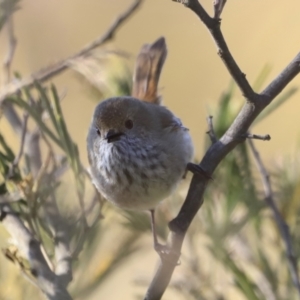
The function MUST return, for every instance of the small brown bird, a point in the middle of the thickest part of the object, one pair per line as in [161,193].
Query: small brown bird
[138,150]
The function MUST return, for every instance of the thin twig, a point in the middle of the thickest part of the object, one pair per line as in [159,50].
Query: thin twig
[50,71]
[218,8]
[9,111]
[12,44]
[214,26]
[281,81]
[282,225]
[265,137]
[211,131]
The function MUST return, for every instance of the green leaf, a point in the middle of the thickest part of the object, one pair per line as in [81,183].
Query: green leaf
[267,270]
[9,153]
[4,166]
[60,124]
[46,103]
[70,147]
[37,117]
[242,281]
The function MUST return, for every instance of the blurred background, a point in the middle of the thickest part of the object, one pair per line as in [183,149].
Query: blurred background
[234,231]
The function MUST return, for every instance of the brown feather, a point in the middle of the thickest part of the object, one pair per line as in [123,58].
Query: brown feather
[148,67]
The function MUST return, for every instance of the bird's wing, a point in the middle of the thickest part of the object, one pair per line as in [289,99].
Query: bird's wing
[169,121]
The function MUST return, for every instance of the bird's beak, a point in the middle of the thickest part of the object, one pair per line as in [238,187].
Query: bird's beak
[112,135]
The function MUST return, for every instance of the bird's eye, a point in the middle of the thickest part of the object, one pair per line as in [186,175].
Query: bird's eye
[98,132]
[128,124]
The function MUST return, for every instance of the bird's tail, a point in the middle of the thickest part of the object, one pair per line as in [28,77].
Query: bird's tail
[148,67]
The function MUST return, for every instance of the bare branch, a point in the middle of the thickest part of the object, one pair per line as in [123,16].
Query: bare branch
[46,280]
[282,225]
[214,26]
[282,80]
[9,112]
[211,131]
[63,65]
[12,44]
[218,8]
[218,150]
[265,137]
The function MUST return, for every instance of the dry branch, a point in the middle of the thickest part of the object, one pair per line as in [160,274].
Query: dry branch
[9,111]
[50,71]
[12,44]
[265,137]
[211,131]
[214,27]
[218,150]
[218,7]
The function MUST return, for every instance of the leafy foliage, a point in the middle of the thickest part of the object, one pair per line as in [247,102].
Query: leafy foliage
[233,248]
[40,201]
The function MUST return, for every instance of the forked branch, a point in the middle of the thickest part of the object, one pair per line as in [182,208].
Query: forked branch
[235,135]
[50,71]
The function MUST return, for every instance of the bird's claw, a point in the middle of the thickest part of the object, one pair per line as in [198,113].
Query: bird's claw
[162,249]
[196,169]
[165,253]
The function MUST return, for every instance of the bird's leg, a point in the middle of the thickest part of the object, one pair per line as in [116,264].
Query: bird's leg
[159,248]
[163,251]
[196,169]
[153,227]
